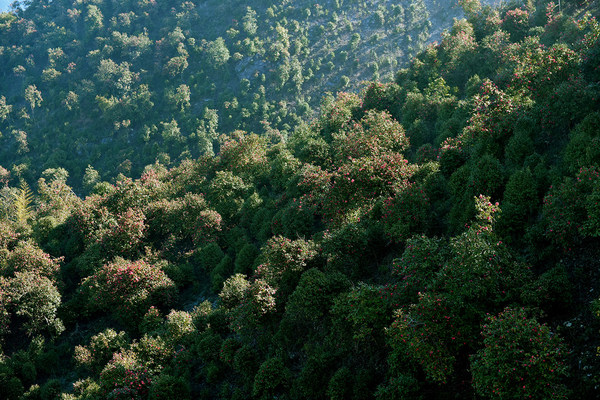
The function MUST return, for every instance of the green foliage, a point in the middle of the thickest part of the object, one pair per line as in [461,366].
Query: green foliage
[521,358]
[100,350]
[282,258]
[125,377]
[582,150]
[23,204]
[330,249]
[226,193]
[12,387]
[249,65]
[338,387]
[209,256]
[400,387]
[26,256]
[35,300]
[430,333]
[257,302]
[570,209]
[217,52]
[376,133]
[271,379]
[51,389]
[128,289]
[363,312]
[520,200]
[309,304]
[551,291]
[169,387]
[244,261]
[178,325]
[187,219]
[516,23]
[234,290]
[244,155]
[406,213]
[423,257]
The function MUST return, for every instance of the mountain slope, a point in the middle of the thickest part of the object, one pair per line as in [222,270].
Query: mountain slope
[117,85]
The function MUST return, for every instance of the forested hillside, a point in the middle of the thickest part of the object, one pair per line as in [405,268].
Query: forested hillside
[122,83]
[433,237]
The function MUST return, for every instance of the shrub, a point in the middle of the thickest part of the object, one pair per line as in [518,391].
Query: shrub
[451,157]
[35,299]
[153,353]
[583,149]
[10,386]
[28,372]
[339,384]
[516,23]
[4,307]
[358,181]
[571,211]
[178,325]
[257,302]
[519,147]
[426,153]
[51,390]
[298,219]
[487,177]
[228,350]
[209,256]
[382,98]
[207,345]
[308,306]
[429,333]
[35,393]
[125,378]
[406,212]
[226,193]
[521,358]
[311,381]
[152,321]
[87,389]
[169,387]
[128,289]
[223,269]
[100,350]
[125,235]
[362,313]
[281,256]
[244,260]
[185,219]
[271,380]
[26,256]
[244,154]
[520,201]
[234,290]
[337,113]
[398,388]
[375,134]
[423,257]
[347,248]
[552,291]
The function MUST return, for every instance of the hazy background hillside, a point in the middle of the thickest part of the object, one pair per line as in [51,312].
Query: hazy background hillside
[118,85]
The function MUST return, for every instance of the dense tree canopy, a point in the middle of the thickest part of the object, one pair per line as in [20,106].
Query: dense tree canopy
[432,237]
[100,78]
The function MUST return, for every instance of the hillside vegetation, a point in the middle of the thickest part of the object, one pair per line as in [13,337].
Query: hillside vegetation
[122,83]
[434,237]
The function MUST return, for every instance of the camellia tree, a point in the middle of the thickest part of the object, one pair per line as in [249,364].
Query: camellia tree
[521,359]
[128,288]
